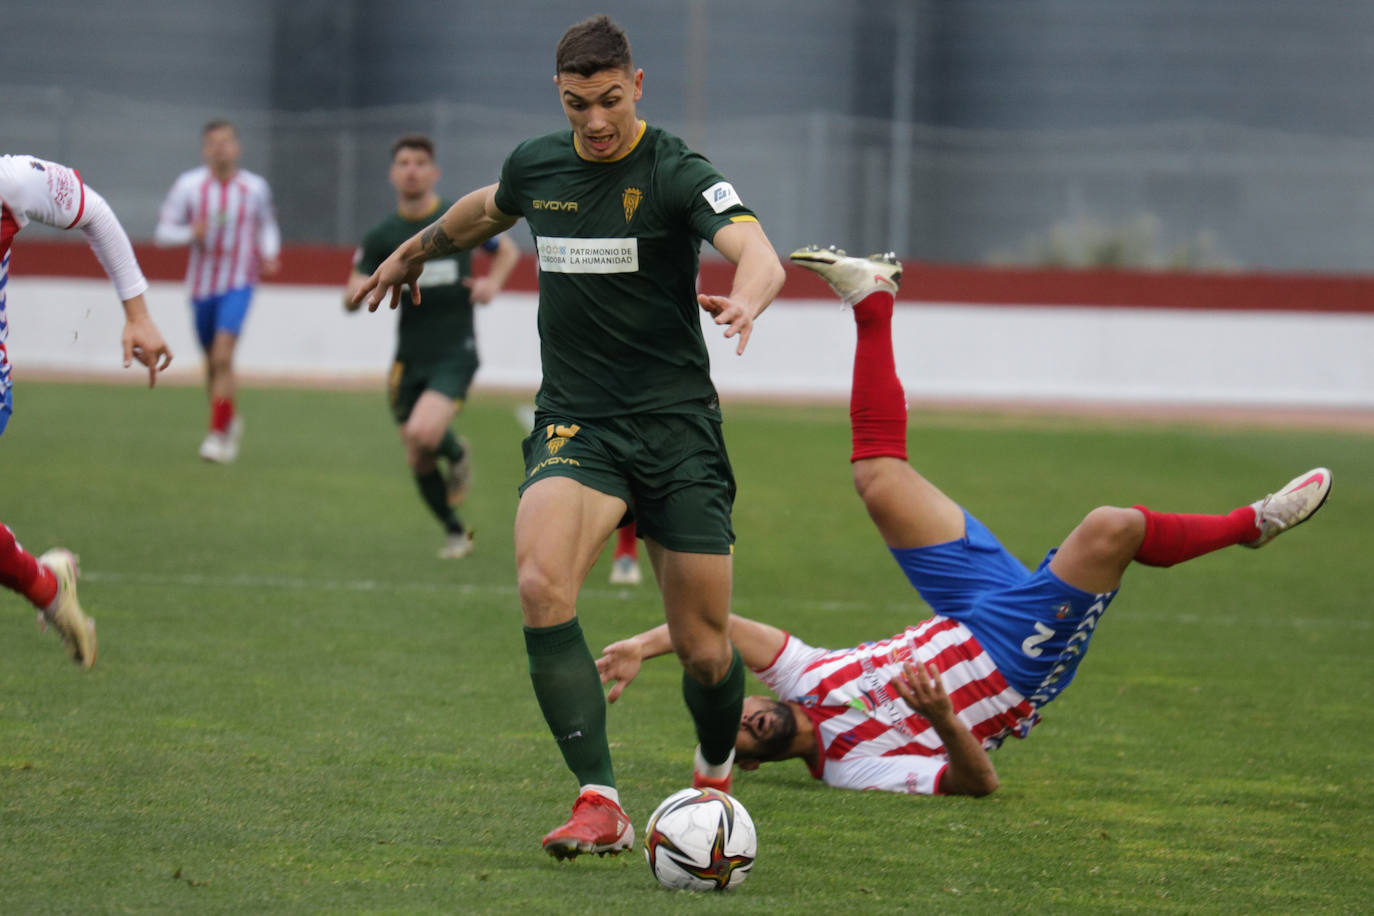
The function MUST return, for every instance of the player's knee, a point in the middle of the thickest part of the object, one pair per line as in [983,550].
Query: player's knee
[543,598]
[420,438]
[706,661]
[1111,532]
[869,475]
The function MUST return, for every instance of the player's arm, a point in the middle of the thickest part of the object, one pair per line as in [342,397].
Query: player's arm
[269,235]
[365,259]
[503,261]
[356,281]
[758,278]
[758,645]
[970,770]
[174,223]
[469,222]
[141,340]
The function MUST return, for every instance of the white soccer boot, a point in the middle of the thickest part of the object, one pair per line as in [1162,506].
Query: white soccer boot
[77,630]
[625,571]
[457,546]
[1291,506]
[215,448]
[851,278]
[231,440]
[459,477]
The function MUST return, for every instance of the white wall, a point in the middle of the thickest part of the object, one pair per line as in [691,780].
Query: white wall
[799,348]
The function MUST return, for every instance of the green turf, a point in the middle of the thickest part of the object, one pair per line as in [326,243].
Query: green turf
[297,708]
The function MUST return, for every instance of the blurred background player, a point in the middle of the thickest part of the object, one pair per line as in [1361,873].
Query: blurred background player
[436,347]
[917,712]
[224,213]
[626,413]
[625,558]
[37,190]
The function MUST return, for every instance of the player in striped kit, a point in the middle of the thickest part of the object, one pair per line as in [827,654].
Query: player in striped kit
[34,189]
[225,214]
[918,712]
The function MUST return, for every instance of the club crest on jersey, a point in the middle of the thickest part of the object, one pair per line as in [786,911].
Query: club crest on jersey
[1061,611]
[630,198]
[555,437]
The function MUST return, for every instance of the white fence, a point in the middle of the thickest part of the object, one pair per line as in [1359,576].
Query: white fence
[799,347]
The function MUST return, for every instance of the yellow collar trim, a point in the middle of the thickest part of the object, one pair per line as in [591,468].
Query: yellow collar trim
[438,202]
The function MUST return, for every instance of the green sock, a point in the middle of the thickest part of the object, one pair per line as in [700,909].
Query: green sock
[435,494]
[450,447]
[569,693]
[716,710]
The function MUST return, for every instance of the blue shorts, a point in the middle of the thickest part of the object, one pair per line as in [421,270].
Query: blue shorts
[6,406]
[224,312]
[1035,625]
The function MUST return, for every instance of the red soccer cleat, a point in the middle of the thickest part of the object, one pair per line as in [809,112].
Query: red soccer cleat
[706,782]
[597,825]
[701,781]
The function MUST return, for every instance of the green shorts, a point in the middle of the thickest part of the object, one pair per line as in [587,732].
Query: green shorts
[450,378]
[671,470]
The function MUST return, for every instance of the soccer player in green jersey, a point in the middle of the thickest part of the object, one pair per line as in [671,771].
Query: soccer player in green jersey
[627,421]
[436,350]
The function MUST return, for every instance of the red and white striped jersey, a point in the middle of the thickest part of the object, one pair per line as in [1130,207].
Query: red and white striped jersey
[33,189]
[241,228]
[869,738]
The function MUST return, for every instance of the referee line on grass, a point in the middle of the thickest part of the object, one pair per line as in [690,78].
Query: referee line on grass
[363,586]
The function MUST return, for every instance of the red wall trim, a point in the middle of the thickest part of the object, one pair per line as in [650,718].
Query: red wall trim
[329,265]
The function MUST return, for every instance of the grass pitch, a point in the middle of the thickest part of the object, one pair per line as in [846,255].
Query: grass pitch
[297,708]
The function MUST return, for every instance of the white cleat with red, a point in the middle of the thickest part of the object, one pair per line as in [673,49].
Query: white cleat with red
[851,278]
[77,630]
[1291,506]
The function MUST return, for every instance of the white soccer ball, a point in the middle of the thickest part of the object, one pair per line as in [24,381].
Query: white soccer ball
[700,840]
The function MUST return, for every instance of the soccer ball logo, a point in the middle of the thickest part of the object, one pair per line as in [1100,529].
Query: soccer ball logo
[700,840]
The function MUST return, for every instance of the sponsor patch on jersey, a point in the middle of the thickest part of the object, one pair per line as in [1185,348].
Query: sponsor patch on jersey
[439,273]
[722,196]
[588,256]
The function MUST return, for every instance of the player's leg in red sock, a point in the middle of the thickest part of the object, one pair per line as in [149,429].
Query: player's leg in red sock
[626,542]
[1174,537]
[20,571]
[877,402]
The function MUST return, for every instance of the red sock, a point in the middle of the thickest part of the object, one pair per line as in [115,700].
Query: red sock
[21,571]
[625,542]
[1172,538]
[221,414]
[877,403]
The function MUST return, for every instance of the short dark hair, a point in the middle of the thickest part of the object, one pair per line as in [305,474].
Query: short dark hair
[412,141]
[216,124]
[594,45]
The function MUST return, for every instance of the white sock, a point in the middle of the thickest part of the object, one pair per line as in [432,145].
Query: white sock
[603,791]
[713,770]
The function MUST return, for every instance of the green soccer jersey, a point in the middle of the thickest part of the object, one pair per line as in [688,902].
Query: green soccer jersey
[440,327]
[618,243]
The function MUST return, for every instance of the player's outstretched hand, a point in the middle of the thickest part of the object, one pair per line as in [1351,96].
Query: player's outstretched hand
[920,686]
[392,276]
[737,319]
[142,341]
[619,663]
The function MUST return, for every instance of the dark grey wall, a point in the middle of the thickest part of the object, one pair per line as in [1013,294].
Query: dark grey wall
[200,52]
[979,63]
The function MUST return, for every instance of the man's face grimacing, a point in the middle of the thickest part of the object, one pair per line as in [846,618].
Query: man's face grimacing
[766,730]
[413,172]
[601,110]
